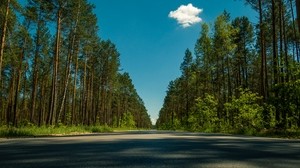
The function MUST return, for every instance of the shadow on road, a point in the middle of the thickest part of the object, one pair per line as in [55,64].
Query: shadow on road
[162,150]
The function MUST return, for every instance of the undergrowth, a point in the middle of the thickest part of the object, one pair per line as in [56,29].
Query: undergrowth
[33,131]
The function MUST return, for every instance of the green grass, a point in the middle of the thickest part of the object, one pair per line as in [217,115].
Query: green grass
[34,131]
[273,133]
[289,133]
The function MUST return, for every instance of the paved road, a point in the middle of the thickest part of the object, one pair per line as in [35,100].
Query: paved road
[150,149]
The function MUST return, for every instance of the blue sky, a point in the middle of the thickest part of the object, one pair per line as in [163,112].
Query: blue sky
[151,44]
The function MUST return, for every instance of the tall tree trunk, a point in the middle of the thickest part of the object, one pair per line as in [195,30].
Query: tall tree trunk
[74,88]
[18,82]
[294,31]
[53,100]
[42,105]
[274,36]
[263,72]
[245,64]
[84,92]
[2,45]
[4,28]
[281,40]
[69,62]
[275,59]
[298,13]
[285,41]
[91,95]
[35,69]
[11,117]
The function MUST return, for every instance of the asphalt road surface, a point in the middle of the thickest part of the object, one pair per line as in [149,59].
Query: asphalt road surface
[150,149]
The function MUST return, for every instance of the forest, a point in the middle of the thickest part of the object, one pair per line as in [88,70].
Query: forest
[241,77]
[56,70]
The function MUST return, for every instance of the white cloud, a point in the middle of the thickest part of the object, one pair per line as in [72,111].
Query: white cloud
[186,15]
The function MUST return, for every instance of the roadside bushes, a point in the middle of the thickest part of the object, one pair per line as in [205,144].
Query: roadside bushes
[245,112]
[242,114]
[204,114]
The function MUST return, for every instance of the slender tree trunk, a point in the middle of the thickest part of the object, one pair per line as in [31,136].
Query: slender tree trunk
[18,82]
[91,95]
[42,104]
[2,45]
[263,73]
[275,59]
[298,13]
[287,113]
[24,101]
[4,28]
[69,62]
[84,92]
[274,33]
[53,100]
[35,70]
[294,30]
[281,16]
[66,82]
[285,41]
[245,65]
[11,117]
[74,88]
[229,79]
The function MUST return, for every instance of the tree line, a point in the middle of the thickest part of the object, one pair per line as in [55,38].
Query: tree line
[242,76]
[55,69]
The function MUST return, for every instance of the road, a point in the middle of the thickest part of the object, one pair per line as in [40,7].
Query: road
[150,149]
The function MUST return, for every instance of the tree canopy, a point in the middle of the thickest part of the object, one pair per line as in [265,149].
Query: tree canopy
[65,74]
[242,76]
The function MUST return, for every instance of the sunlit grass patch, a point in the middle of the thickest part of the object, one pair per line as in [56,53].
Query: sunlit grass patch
[33,131]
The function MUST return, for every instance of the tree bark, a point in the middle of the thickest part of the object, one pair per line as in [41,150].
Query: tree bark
[35,69]
[73,116]
[274,35]
[53,100]
[4,28]
[294,32]
[298,13]
[18,83]
[263,72]
[69,62]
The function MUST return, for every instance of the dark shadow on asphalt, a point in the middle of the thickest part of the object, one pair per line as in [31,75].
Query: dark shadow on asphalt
[194,150]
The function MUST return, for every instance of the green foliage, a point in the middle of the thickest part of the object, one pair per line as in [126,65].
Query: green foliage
[204,114]
[245,110]
[232,56]
[99,129]
[127,121]
[269,120]
[14,132]
[86,73]
[30,131]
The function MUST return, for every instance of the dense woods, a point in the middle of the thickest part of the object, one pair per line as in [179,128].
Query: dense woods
[56,70]
[242,76]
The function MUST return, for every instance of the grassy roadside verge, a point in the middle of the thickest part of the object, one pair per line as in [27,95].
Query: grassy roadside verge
[290,133]
[34,131]
[271,133]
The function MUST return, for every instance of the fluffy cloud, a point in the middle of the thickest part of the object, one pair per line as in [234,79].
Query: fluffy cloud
[186,15]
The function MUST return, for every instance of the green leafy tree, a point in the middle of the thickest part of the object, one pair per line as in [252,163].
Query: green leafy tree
[204,116]
[245,111]
[127,120]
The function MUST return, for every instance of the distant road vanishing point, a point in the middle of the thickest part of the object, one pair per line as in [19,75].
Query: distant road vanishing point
[150,149]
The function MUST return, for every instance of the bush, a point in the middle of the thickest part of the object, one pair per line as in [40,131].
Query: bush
[127,120]
[204,114]
[245,111]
